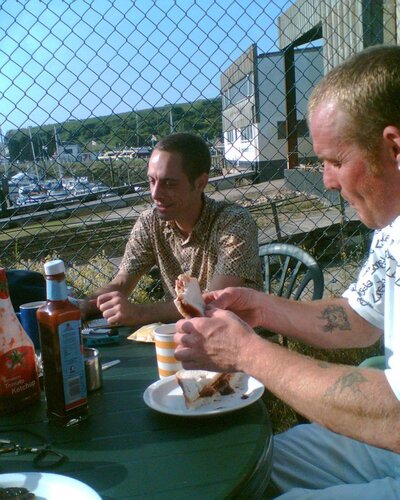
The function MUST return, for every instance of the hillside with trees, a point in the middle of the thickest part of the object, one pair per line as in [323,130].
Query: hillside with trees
[119,131]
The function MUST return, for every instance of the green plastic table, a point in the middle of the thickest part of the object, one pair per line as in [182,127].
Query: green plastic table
[127,450]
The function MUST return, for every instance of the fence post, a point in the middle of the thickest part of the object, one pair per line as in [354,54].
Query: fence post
[291,113]
[276,220]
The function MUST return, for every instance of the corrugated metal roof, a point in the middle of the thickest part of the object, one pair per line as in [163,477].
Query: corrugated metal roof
[344,25]
[239,68]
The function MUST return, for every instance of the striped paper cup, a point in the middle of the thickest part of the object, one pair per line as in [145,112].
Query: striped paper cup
[165,349]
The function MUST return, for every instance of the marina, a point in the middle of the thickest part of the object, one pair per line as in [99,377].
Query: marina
[25,189]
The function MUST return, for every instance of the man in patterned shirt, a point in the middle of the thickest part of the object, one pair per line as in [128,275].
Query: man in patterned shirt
[352,448]
[185,231]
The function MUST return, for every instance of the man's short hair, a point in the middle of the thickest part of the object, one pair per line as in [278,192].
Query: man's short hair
[367,88]
[195,154]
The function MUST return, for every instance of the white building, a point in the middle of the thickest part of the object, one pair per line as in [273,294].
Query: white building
[69,153]
[254,109]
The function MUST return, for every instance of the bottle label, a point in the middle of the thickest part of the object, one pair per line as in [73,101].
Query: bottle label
[18,375]
[56,290]
[72,363]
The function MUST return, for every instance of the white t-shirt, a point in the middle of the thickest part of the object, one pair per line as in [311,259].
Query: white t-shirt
[376,295]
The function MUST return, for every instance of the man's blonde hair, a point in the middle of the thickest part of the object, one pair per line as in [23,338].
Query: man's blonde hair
[367,88]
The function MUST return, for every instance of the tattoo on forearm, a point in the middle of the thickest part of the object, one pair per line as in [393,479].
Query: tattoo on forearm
[348,381]
[335,317]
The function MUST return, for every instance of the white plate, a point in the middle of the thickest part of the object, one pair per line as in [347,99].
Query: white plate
[166,396]
[49,486]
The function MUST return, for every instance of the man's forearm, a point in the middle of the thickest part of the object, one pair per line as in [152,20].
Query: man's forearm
[326,323]
[163,312]
[356,402]
[140,314]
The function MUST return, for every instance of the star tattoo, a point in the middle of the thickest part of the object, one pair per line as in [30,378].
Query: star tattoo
[349,381]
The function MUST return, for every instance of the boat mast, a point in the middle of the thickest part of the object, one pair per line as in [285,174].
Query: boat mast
[32,146]
[33,153]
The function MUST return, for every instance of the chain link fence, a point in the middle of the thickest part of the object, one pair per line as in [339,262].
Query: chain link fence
[88,87]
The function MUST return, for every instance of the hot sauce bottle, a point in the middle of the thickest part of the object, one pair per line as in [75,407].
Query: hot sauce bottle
[62,351]
[19,383]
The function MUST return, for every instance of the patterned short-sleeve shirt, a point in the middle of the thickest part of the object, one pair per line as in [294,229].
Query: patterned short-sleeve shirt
[224,241]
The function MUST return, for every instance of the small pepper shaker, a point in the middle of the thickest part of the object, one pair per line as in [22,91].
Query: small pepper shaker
[92,368]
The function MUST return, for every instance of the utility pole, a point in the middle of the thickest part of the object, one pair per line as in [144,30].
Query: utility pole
[60,169]
[3,153]
[137,128]
[171,121]
[56,140]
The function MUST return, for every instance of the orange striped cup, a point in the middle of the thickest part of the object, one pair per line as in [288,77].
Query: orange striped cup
[165,349]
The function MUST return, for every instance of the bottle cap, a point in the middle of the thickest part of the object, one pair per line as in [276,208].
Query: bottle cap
[54,267]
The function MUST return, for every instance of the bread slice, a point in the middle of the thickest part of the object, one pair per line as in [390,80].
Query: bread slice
[145,333]
[189,300]
[201,387]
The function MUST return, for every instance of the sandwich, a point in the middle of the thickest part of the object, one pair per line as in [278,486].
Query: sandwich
[189,300]
[202,387]
[199,387]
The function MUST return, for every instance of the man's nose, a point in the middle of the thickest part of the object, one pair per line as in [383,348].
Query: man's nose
[155,189]
[330,177]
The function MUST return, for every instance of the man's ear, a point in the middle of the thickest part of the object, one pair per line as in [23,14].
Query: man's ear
[202,181]
[391,136]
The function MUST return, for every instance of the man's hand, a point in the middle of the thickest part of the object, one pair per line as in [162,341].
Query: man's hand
[244,302]
[217,343]
[116,308]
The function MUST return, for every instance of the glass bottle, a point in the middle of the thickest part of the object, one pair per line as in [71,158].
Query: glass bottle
[62,351]
[19,382]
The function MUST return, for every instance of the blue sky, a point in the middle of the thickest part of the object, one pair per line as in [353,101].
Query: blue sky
[72,60]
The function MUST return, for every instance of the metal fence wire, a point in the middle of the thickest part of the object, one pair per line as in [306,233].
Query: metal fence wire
[88,87]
